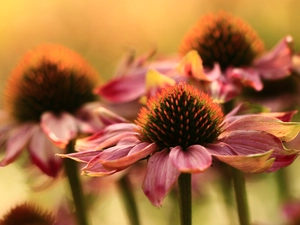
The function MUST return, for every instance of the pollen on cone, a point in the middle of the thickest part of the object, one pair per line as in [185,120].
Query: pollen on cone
[180,115]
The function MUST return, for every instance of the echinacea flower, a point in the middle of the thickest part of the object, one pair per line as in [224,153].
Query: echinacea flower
[48,100]
[230,47]
[180,131]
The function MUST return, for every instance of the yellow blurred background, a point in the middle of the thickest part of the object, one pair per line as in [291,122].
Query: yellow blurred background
[102,31]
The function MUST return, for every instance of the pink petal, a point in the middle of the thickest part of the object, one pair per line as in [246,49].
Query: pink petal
[104,141]
[16,142]
[244,108]
[84,156]
[138,152]
[108,117]
[160,176]
[283,116]
[214,73]
[95,166]
[128,110]
[251,142]
[121,89]
[87,120]
[220,148]
[60,129]
[282,161]
[129,140]
[222,90]
[277,63]
[194,159]
[106,137]
[256,163]
[96,169]
[246,76]
[42,152]
[256,142]
[286,131]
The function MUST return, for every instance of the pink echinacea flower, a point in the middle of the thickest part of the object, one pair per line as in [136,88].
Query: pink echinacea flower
[48,100]
[233,51]
[181,130]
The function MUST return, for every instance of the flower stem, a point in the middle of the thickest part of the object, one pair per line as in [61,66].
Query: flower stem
[129,200]
[283,184]
[185,198]
[75,186]
[226,188]
[241,196]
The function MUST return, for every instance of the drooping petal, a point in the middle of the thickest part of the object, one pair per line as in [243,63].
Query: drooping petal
[286,131]
[60,129]
[132,108]
[191,66]
[104,141]
[87,119]
[255,163]
[246,76]
[84,156]
[277,63]
[194,159]
[220,148]
[106,137]
[95,166]
[42,153]
[155,81]
[256,142]
[283,160]
[248,109]
[249,142]
[121,89]
[138,152]
[160,176]
[17,140]
[283,116]
[108,117]
[96,169]
[222,90]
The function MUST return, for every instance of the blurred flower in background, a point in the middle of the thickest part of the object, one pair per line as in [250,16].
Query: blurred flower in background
[46,105]
[27,213]
[234,52]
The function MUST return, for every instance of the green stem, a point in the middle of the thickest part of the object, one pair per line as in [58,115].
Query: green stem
[226,188]
[241,196]
[129,200]
[283,184]
[71,171]
[185,198]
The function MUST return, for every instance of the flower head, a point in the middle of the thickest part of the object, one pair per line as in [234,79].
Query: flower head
[232,50]
[47,101]
[49,78]
[180,116]
[180,131]
[225,39]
